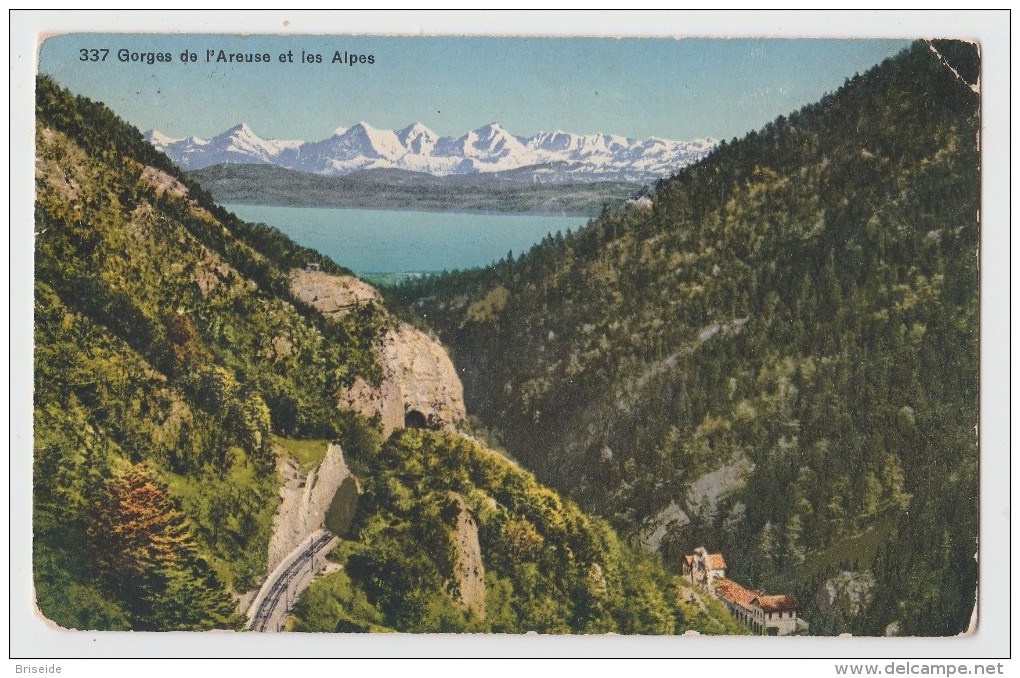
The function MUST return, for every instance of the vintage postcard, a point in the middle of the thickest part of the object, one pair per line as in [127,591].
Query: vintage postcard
[341,332]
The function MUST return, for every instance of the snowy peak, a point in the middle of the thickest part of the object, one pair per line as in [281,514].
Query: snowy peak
[494,138]
[417,139]
[491,144]
[416,129]
[579,146]
[240,128]
[492,133]
[159,140]
[240,133]
[379,143]
[556,156]
[353,144]
[241,144]
[557,141]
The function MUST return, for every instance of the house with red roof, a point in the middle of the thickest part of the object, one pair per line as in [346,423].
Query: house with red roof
[774,615]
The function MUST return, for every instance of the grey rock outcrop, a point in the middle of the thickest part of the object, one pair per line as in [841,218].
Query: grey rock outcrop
[308,503]
[418,376]
[469,570]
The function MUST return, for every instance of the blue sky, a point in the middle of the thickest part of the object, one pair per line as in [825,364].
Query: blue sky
[640,87]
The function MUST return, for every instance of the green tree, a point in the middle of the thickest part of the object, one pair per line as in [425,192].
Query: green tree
[143,549]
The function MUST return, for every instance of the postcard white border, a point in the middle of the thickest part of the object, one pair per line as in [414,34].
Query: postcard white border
[31,637]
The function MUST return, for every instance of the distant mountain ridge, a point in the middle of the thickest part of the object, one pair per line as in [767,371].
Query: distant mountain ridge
[514,191]
[557,156]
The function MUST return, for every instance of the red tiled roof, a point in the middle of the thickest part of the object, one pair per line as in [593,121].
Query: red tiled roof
[716,562]
[779,603]
[735,593]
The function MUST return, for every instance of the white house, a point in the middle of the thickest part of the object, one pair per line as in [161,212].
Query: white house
[777,612]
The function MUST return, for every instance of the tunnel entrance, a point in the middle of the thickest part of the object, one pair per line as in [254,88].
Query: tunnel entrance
[415,419]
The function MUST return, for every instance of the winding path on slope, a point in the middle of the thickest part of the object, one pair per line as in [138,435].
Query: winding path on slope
[291,576]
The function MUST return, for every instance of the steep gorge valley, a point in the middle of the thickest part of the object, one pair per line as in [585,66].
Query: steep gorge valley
[773,354]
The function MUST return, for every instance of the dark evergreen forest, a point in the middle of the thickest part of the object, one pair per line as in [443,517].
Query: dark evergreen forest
[781,349]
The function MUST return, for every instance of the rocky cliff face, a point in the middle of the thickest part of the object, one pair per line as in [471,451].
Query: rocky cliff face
[469,570]
[331,294]
[418,369]
[305,501]
[420,384]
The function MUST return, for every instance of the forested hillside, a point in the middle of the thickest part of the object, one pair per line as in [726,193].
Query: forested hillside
[168,348]
[171,358]
[776,355]
[449,536]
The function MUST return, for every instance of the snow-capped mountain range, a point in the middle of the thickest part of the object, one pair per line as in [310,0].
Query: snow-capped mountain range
[560,155]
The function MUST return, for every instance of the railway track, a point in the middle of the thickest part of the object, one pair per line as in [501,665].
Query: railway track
[273,589]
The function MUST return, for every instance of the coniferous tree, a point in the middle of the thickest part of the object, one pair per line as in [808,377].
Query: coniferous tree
[144,549]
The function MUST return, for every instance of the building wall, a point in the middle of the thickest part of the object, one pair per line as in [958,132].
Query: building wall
[785,622]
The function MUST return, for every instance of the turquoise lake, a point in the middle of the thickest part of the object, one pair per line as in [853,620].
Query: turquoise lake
[374,243]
